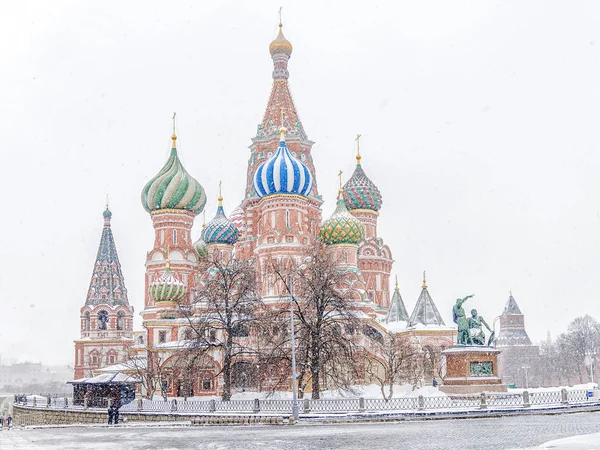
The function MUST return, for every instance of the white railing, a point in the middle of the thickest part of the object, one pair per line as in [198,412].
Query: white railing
[501,400]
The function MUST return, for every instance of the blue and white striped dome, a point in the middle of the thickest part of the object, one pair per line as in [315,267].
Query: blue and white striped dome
[282,173]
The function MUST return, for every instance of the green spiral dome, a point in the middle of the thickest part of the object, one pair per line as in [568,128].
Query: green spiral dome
[173,188]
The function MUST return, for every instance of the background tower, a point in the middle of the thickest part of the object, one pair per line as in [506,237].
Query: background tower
[106,317]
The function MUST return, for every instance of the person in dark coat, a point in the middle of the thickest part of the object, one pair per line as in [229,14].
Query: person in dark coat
[111,413]
[116,414]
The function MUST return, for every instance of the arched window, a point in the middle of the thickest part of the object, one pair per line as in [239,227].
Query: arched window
[120,320]
[102,320]
[174,236]
[86,321]
[240,330]
[287,218]
[141,340]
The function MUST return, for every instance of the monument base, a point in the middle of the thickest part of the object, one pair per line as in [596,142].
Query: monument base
[470,370]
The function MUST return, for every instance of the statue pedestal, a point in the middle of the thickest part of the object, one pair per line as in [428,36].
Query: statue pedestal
[471,369]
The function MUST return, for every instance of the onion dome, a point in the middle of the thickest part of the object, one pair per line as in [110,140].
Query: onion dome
[237,217]
[167,288]
[360,192]
[280,44]
[342,227]
[220,230]
[200,245]
[282,173]
[173,188]
[107,214]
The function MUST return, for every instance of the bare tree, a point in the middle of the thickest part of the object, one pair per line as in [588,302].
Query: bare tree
[394,364]
[325,349]
[221,320]
[150,370]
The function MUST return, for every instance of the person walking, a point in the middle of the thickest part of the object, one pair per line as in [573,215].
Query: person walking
[116,414]
[111,413]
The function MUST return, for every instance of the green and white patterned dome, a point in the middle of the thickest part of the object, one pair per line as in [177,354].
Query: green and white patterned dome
[200,245]
[167,288]
[342,227]
[173,188]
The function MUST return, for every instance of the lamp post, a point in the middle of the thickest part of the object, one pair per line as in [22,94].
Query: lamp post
[294,375]
[526,367]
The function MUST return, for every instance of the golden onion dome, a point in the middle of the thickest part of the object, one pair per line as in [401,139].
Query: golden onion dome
[280,44]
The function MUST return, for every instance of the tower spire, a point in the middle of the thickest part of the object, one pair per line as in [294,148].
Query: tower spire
[396,282]
[282,128]
[220,199]
[174,136]
[341,191]
[107,214]
[424,281]
[358,157]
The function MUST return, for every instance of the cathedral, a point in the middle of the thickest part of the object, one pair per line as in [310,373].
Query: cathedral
[279,215]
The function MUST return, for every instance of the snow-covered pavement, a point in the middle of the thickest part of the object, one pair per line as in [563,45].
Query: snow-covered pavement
[498,433]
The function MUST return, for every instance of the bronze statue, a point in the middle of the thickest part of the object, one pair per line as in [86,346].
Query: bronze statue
[475,331]
[460,319]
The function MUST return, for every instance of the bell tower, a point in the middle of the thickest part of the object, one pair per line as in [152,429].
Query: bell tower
[106,316]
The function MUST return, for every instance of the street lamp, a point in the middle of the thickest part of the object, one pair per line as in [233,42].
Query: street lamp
[526,368]
[294,375]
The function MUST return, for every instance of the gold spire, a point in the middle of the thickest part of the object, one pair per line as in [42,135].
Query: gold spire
[424,281]
[396,282]
[220,194]
[280,44]
[358,149]
[282,129]
[174,136]
[341,191]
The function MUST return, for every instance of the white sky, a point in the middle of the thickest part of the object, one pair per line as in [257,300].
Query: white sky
[479,123]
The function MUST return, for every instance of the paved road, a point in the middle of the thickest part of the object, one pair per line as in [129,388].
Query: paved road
[494,433]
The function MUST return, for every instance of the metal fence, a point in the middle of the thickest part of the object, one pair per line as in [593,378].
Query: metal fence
[501,400]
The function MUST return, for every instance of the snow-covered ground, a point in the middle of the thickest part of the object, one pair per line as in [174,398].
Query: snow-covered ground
[581,442]
[516,432]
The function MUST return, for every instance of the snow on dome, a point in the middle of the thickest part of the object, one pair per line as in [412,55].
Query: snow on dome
[282,173]
[342,227]
[167,288]
[237,217]
[173,188]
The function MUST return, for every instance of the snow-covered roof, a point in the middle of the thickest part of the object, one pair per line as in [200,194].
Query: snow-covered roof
[395,327]
[425,312]
[107,378]
[511,306]
[397,312]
